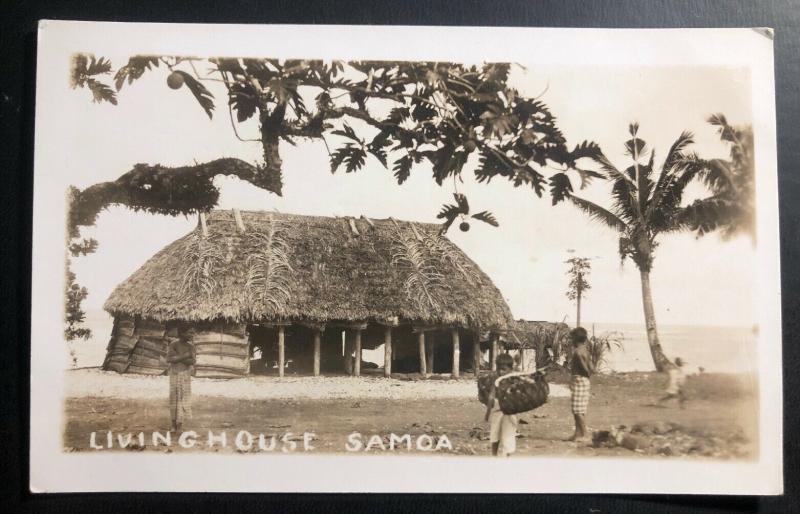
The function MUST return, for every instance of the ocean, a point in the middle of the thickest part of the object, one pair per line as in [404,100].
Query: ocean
[714,349]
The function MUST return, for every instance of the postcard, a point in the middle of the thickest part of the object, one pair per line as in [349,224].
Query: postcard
[405,259]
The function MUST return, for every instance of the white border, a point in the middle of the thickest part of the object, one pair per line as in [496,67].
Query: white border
[51,470]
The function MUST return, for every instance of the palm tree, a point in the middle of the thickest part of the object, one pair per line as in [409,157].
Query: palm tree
[645,205]
[731,206]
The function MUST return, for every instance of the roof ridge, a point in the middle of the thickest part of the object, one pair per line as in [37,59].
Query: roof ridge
[226,215]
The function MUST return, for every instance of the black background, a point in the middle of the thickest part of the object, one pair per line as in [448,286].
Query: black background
[17,86]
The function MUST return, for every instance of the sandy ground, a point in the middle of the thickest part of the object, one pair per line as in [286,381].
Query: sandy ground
[95,382]
[721,413]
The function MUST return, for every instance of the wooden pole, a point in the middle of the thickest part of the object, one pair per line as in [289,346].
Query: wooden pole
[421,343]
[353,227]
[387,352]
[430,346]
[317,346]
[348,352]
[239,223]
[476,352]
[281,351]
[357,366]
[203,224]
[456,354]
[494,352]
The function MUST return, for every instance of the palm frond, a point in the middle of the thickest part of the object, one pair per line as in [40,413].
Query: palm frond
[269,272]
[663,211]
[598,213]
[676,150]
[441,249]
[705,215]
[423,281]
[676,164]
[717,175]
[203,256]
[645,188]
[718,120]
[611,170]
[626,202]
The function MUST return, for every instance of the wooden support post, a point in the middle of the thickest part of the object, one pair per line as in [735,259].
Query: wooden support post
[348,353]
[476,352]
[281,351]
[456,354]
[357,364]
[317,346]
[203,224]
[387,352]
[493,357]
[430,346]
[421,342]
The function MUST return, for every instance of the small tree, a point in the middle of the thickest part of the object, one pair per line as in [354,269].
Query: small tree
[579,269]
[75,294]
[600,347]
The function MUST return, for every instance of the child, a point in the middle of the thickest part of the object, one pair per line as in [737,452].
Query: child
[503,427]
[677,379]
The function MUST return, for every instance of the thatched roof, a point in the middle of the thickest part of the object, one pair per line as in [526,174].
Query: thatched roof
[527,334]
[314,269]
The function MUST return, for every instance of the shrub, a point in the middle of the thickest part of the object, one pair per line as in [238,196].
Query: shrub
[600,346]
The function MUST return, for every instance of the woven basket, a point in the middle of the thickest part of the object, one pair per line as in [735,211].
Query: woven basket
[514,394]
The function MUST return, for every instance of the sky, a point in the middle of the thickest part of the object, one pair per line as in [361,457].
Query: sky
[703,281]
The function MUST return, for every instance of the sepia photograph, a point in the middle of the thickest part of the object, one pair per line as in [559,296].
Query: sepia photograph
[257,257]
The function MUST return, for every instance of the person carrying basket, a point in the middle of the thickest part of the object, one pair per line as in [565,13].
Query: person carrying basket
[502,427]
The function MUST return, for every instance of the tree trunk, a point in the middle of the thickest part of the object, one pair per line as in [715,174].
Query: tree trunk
[578,314]
[271,178]
[659,359]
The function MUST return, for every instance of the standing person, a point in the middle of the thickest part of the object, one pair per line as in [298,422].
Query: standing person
[677,379]
[581,368]
[502,427]
[181,359]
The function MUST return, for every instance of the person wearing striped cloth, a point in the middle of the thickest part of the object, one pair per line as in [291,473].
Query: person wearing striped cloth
[181,358]
[581,368]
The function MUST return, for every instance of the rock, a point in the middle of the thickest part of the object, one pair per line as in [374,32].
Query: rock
[665,450]
[632,442]
[662,427]
[603,438]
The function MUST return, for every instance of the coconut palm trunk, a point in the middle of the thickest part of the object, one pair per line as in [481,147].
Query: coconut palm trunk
[659,359]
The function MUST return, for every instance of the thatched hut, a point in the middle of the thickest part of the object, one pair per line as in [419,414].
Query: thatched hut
[307,290]
[537,343]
